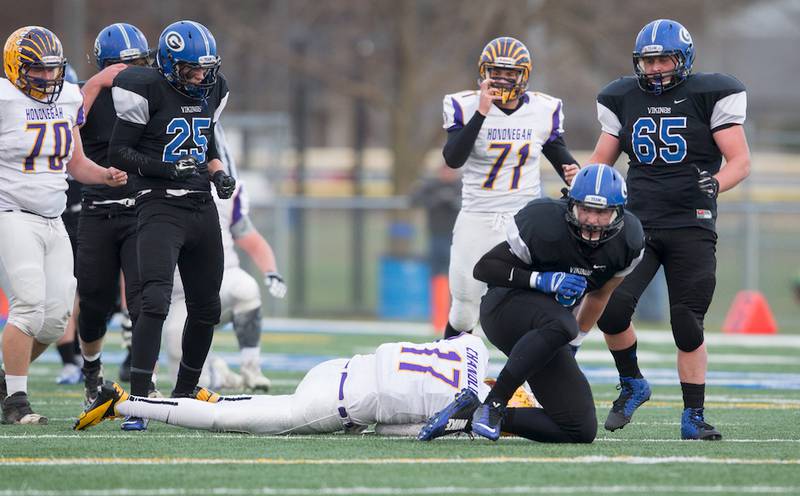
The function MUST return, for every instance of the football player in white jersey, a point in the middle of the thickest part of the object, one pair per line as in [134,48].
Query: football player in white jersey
[401,384]
[39,143]
[497,134]
[239,294]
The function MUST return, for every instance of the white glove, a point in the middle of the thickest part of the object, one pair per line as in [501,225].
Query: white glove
[274,283]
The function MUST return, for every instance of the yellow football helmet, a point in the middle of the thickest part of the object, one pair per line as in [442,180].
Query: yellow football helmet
[35,47]
[507,53]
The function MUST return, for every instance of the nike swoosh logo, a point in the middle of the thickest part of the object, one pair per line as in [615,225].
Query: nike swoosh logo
[488,429]
[511,276]
[679,101]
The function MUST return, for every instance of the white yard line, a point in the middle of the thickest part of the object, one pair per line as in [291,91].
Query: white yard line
[630,460]
[382,490]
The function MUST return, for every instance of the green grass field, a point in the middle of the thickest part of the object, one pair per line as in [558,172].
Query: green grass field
[753,398]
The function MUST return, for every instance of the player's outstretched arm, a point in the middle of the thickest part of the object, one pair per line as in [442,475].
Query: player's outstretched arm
[87,172]
[594,303]
[95,84]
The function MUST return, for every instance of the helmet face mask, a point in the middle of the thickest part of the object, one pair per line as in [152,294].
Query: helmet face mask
[503,54]
[29,54]
[183,47]
[595,209]
[663,38]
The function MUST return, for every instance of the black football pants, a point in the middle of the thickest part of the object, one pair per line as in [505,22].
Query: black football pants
[689,259]
[509,316]
[106,244]
[183,232]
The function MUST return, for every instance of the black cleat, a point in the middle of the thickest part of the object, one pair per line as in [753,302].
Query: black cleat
[694,426]
[17,410]
[633,393]
[3,389]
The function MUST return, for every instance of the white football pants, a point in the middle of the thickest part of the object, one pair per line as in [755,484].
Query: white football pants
[474,234]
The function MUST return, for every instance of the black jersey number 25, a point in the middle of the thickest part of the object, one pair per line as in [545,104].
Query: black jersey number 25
[184,129]
[659,138]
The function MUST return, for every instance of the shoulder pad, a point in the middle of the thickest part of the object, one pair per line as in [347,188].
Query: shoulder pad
[70,93]
[634,234]
[714,82]
[543,215]
[135,76]
[619,87]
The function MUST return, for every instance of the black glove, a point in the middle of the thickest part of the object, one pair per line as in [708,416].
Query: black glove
[183,168]
[707,183]
[224,183]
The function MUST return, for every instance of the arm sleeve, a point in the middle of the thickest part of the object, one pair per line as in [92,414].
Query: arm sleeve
[558,154]
[729,111]
[123,154]
[500,267]
[609,122]
[461,140]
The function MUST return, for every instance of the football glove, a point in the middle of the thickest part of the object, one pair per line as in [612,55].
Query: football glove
[568,288]
[275,284]
[707,183]
[224,183]
[183,168]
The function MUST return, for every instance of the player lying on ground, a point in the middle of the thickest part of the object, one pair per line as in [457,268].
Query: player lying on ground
[400,384]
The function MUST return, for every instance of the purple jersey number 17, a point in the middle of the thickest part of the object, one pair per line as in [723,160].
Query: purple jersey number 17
[450,356]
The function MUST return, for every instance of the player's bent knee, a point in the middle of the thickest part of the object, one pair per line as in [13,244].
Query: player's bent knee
[54,325]
[204,313]
[156,299]
[617,315]
[687,328]
[27,318]
[247,326]
[464,314]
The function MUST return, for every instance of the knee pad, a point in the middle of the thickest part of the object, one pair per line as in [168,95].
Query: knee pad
[26,317]
[92,318]
[687,328]
[245,295]
[617,315]
[156,299]
[464,314]
[247,326]
[207,312]
[56,315]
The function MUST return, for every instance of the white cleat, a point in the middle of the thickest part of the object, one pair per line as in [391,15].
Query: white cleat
[222,377]
[253,377]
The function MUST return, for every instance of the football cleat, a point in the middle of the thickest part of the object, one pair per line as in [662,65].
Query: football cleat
[134,424]
[253,377]
[92,382]
[199,394]
[223,377]
[17,410]
[104,406]
[487,420]
[632,394]
[70,374]
[454,418]
[3,389]
[694,426]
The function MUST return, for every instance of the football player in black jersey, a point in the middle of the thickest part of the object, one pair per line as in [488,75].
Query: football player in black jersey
[675,127]
[556,250]
[164,135]
[107,229]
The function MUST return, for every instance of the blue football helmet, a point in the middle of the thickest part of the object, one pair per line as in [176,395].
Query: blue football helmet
[663,37]
[121,42]
[597,186]
[70,75]
[188,45]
